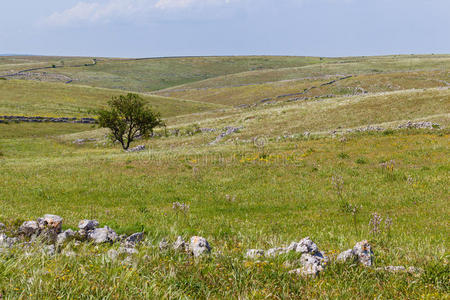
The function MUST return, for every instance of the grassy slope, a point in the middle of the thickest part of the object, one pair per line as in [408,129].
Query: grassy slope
[371,83]
[11,64]
[339,66]
[283,192]
[20,97]
[329,114]
[152,74]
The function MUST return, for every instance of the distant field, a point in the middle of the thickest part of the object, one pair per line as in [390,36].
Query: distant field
[31,98]
[366,83]
[342,66]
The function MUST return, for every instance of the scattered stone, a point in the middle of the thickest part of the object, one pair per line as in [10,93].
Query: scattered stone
[6,242]
[134,239]
[88,224]
[228,131]
[103,235]
[419,125]
[275,251]
[180,244]
[345,256]
[164,245]
[82,141]
[254,253]
[29,228]
[363,252]
[64,236]
[52,222]
[311,265]
[199,246]
[307,246]
[137,149]
[393,269]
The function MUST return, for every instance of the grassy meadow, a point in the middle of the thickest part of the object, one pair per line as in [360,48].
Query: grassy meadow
[262,187]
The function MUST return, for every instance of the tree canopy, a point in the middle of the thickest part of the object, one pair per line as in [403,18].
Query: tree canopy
[128,118]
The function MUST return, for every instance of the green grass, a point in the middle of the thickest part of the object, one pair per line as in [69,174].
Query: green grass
[242,194]
[21,97]
[292,198]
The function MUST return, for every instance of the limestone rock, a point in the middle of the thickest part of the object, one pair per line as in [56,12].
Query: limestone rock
[134,239]
[29,228]
[163,245]
[306,245]
[345,256]
[364,253]
[103,235]
[312,264]
[254,253]
[137,149]
[51,222]
[64,236]
[6,242]
[275,251]
[198,246]
[88,224]
[179,244]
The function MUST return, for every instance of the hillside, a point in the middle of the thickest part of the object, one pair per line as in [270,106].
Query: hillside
[258,152]
[31,98]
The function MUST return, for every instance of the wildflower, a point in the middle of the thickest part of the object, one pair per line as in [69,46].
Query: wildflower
[375,223]
[388,223]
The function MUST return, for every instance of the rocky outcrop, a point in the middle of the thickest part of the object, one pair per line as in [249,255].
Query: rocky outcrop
[419,125]
[39,119]
[103,235]
[361,252]
[228,130]
[199,246]
[137,148]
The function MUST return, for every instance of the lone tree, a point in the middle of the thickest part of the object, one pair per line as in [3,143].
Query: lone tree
[128,118]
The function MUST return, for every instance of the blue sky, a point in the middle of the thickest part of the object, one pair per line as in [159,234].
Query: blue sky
[146,28]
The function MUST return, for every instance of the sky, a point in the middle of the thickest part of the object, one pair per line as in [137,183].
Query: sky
[155,28]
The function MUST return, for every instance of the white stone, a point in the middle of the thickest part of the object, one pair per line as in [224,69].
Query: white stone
[88,224]
[198,246]
[180,244]
[364,253]
[254,253]
[103,235]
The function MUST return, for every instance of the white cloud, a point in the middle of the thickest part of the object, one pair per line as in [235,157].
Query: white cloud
[93,12]
[108,10]
[171,4]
